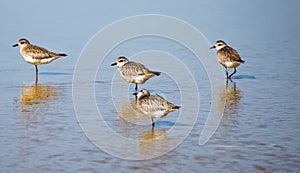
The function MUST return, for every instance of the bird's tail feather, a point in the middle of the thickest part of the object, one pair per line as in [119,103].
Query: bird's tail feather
[156,73]
[176,107]
[62,54]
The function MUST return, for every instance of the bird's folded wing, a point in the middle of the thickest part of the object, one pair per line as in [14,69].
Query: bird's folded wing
[234,56]
[39,53]
[132,68]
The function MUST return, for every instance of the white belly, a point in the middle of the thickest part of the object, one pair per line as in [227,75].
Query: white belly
[228,64]
[30,60]
[139,79]
[231,64]
[157,114]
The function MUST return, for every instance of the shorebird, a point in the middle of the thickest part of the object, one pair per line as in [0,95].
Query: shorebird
[134,72]
[227,56]
[154,106]
[36,55]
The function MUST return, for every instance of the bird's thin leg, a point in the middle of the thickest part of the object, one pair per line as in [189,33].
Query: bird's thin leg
[135,98]
[36,74]
[36,69]
[226,73]
[232,73]
[152,129]
[136,92]
[153,123]
[228,79]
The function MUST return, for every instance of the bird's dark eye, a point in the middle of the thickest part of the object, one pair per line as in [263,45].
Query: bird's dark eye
[121,60]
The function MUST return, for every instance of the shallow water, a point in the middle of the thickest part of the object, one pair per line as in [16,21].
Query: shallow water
[260,126]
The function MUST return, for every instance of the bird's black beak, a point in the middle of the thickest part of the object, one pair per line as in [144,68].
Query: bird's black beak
[15,45]
[135,94]
[212,47]
[113,64]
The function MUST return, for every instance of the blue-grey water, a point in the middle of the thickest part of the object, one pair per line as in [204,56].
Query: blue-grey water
[259,131]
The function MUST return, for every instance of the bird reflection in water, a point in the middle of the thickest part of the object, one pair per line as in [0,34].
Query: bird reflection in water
[36,102]
[36,96]
[130,113]
[154,143]
[231,96]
